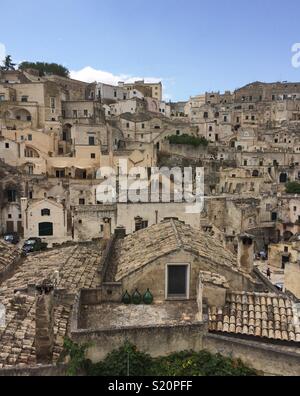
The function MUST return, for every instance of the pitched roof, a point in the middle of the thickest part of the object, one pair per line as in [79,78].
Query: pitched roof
[263,315]
[145,246]
[77,266]
[8,254]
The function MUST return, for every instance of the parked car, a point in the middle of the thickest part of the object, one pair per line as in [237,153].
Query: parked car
[279,286]
[34,245]
[12,237]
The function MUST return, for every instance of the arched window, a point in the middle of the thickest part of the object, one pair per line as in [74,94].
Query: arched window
[283,178]
[45,212]
[255,173]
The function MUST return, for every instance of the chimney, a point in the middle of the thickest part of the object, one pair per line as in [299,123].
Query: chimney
[245,252]
[44,322]
[107,228]
[120,232]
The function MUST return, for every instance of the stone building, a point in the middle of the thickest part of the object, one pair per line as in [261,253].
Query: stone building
[46,219]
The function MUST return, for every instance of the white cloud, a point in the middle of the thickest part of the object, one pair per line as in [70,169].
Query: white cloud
[167,97]
[89,74]
[2,52]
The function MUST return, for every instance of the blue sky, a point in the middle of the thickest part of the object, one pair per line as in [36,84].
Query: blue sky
[192,45]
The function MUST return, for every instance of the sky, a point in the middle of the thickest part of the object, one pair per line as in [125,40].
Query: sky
[193,46]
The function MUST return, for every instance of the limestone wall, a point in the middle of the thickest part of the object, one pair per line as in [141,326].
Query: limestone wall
[157,341]
[266,358]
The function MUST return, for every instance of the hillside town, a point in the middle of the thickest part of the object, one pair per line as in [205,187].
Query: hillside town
[74,265]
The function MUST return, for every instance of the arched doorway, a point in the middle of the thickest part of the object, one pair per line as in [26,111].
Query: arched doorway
[80,173]
[283,178]
[22,115]
[30,152]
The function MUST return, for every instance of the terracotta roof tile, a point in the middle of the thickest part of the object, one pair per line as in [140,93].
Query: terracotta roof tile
[142,247]
[264,315]
[78,269]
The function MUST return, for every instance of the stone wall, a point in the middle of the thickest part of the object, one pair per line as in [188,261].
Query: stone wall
[184,150]
[40,371]
[292,278]
[157,341]
[153,276]
[268,359]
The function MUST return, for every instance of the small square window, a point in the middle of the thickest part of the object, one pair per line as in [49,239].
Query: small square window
[93,155]
[6,145]
[177,281]
[9,216]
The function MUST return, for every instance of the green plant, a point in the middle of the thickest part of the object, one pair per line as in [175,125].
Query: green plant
[128,360]
[187,139]
[8,64]
[76,353]
[292,188]
[200,363]
[46,68]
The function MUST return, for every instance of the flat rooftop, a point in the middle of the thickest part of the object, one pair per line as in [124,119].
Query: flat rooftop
[117,315]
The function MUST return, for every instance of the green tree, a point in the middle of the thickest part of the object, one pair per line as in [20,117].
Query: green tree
[124,361]
[76,355]
[128,360]
[46,68]
[8,64]
[292,188]
[187,139]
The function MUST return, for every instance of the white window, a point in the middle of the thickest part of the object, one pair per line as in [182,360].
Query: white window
[177,281]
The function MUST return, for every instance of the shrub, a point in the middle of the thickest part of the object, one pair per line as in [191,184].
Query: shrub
[187,139]
[128,360]
[292,188]
[45,68]
[121,362]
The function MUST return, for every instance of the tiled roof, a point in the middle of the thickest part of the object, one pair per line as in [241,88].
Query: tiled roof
[145,246]
[8,254]
[77,266]
[256,314]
